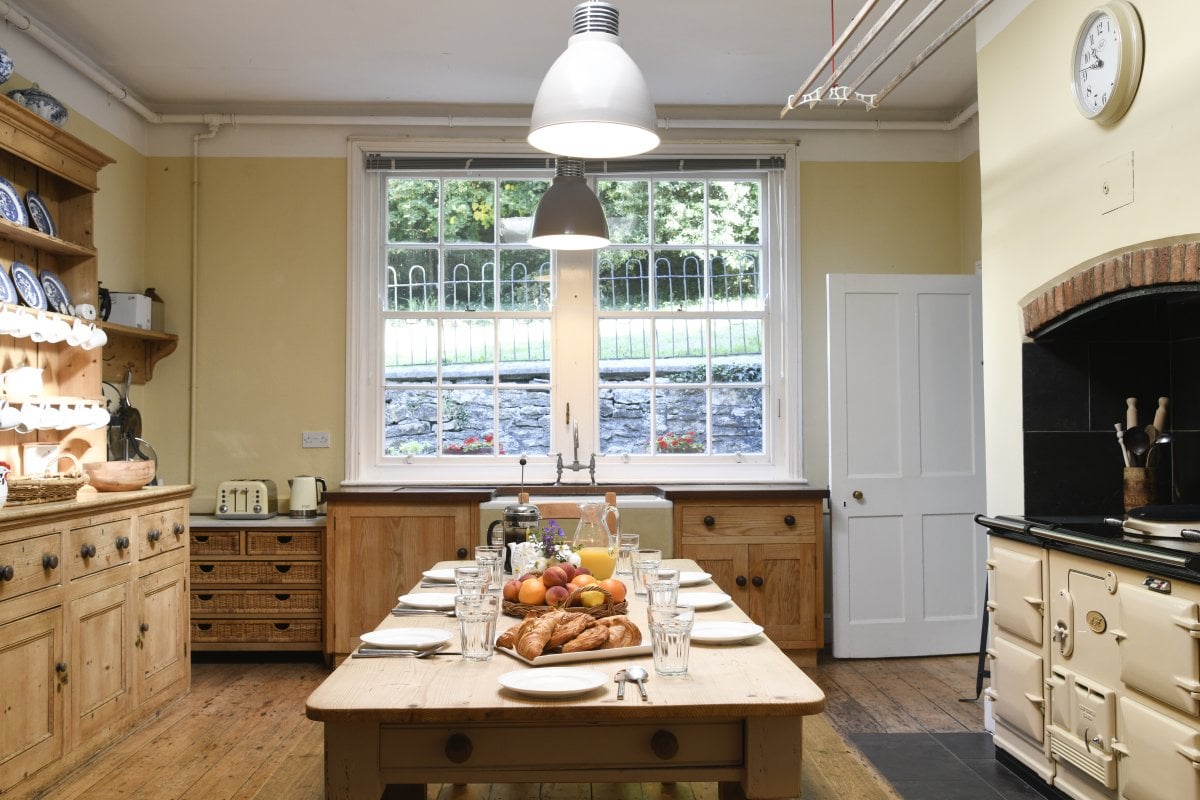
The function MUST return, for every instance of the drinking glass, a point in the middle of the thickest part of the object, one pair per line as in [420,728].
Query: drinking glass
[670,637]
[493,559]
[662,586]
[477,624]
[644,559]
[472,580]
[627,543]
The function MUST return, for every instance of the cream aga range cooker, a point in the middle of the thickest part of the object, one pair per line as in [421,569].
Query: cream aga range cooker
[1094,653]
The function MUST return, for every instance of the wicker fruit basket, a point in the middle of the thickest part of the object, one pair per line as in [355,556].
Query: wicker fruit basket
[606,609]
[50,487]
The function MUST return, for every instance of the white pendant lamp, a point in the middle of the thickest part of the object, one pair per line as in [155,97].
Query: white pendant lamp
[569,215]
[594,102]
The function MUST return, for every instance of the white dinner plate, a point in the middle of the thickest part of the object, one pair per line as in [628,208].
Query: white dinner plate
[723,632]
[553,681]
[702,600]
[693,578]
[406,638]
[443,601]
[444,575]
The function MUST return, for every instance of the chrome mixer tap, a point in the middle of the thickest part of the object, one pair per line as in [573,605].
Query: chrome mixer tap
[575,465]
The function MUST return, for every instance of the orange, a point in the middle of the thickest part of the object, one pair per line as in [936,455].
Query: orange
[533,592]
[615,587]
[583,580]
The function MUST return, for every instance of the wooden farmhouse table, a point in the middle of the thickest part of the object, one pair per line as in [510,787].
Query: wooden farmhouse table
[393,725]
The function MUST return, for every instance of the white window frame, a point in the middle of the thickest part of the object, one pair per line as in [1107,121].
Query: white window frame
[366,465]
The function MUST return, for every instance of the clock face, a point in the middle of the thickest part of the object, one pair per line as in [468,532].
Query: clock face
[1106,63]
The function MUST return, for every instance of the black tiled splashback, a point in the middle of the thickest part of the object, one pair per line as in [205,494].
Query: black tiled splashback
[1075,385]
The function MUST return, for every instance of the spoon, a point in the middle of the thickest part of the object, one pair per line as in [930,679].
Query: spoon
[638,676]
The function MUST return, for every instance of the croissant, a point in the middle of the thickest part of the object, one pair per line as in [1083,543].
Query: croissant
[567,627]
[621,632]
[592,638]
[534,633]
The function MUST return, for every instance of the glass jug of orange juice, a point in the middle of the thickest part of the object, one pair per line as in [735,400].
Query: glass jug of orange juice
[594,542]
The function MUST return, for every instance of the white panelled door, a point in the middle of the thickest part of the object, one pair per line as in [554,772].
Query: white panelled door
[906,465]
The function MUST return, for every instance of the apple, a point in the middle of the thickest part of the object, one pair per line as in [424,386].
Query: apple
[555,576]
[557,595]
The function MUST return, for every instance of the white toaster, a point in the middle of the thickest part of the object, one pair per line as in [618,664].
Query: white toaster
[246,499]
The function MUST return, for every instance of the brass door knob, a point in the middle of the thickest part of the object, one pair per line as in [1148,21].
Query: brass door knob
[857,494]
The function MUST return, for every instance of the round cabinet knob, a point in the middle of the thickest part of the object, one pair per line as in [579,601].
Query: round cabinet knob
[458,748]
[740,580]
[789,520]
[178,529]
[857,494]
[709,520]
[122,542]
[143,627]
[664,744]
[6,572]
[88,551]
[757,581]
[61,668]
[49,561]
[461,553]
[154,535]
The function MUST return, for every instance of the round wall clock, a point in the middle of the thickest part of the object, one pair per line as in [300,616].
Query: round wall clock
[1106,62]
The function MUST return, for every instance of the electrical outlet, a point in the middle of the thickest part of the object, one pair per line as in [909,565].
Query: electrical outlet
[315,439]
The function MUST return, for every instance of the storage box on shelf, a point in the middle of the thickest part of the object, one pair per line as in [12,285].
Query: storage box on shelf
[766,551]
[93,620]
[257,584]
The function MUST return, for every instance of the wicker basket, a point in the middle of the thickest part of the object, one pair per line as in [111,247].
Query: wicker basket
[50,487]
[606,609]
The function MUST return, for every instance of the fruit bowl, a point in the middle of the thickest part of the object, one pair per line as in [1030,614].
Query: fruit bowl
[119,476]
[606,609]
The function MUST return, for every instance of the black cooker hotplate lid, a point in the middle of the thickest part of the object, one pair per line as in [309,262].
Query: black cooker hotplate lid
[1181,512]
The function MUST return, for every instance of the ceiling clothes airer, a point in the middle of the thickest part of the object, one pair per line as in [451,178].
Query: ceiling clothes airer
[840,94]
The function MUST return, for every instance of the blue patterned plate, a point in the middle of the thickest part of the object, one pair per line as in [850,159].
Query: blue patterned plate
[39,215]
[28,286]
[56,294]
[10,204]
[8,292]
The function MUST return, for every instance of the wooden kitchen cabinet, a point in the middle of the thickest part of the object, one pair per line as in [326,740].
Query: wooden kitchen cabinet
[379,548]
[767,553]
[257,584]
[93,620]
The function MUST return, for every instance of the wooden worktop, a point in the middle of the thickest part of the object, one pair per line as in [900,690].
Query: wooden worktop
[482,494]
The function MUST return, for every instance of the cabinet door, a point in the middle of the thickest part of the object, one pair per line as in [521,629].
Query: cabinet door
[784,595]
[31,725]
[377,553]
[726,563]
[162,631]
[99,670]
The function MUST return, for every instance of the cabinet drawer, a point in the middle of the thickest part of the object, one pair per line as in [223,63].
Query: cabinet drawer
[289,543]
[162,530]
[748,521]
[97,547]
[255,602]
[35,563]
[223,543]
[233,631]
[273,572]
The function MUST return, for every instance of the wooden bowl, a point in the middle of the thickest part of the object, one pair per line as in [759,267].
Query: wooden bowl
[119,476]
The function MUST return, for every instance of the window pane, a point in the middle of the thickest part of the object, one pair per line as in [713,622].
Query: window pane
[469,280]
[737,420]
[525,350]
[468,345]
[739,341]
[525,421]
[624,279]
[411,280]
[734,215]
[518,202]
[680,352]
[679,212]
[627,208]
[412,209]
[524,280]
[736,280]
[470,211]
[410,350]
[623,341]
[679,279]
[625,421]
[679,420]
[409,422]
[468,422]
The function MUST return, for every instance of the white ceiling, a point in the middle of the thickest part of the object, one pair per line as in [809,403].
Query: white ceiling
[370,56]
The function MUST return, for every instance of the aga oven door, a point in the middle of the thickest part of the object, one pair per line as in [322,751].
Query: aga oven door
[1016,689]
[1159,650]
[1017,593]
[1160,757]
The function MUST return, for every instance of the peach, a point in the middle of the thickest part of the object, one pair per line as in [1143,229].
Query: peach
[512,590]
[557,596]
[555,576]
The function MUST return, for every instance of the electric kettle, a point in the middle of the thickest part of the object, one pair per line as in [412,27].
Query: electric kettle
[305,496]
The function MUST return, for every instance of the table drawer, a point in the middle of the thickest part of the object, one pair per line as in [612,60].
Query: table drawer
[97,547]
[34,564]
[273,572]
[254,602]
[162,530]
[269,631]
[223,543]
[621,746]
[290,543]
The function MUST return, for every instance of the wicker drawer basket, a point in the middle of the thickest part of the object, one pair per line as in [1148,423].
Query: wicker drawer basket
[283,544]
[232,630]
[254,602]
[256,572]
[217,544]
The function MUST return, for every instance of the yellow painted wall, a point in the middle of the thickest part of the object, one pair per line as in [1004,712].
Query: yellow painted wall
[1042,170]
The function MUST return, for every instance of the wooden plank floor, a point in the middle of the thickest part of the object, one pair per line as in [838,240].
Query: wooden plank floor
[241,734]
